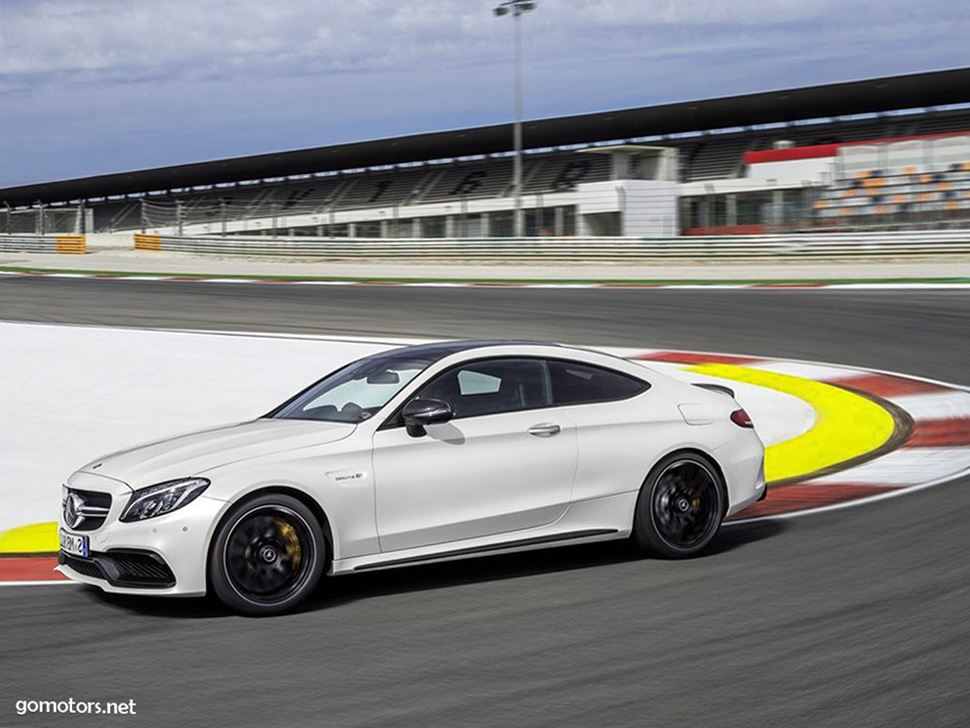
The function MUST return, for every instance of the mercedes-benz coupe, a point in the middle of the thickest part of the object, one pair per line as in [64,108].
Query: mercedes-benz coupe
[414,455]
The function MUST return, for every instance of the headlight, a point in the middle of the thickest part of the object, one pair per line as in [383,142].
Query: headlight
[156,500]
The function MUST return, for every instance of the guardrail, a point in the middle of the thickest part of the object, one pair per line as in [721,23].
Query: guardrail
[71,244]
[816,245]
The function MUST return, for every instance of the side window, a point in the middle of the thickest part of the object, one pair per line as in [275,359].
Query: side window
[583,384]
[492,386]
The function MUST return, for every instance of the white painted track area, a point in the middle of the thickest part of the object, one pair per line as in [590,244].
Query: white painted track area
[72,393]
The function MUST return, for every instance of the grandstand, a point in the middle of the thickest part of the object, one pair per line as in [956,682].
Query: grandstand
[889,152]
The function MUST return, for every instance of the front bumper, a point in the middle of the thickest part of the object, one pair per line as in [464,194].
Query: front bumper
[131,568]
[166,555]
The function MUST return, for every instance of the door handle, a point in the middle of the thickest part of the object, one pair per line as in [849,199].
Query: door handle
[545,430]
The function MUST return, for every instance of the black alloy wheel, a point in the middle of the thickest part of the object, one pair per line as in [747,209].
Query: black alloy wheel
[268,556]
[681,506]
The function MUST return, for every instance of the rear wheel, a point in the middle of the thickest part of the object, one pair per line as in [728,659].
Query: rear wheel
[268,556]
[680,508]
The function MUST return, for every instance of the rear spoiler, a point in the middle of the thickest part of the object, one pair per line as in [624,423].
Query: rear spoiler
[715,388]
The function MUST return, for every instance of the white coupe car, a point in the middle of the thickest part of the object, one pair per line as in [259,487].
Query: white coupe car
[410,456]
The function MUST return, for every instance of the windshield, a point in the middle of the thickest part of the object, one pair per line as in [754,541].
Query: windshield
[356,392]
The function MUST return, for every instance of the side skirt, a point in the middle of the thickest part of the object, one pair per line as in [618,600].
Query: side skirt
[474,550]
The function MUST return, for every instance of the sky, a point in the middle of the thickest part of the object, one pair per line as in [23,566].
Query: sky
[97,86]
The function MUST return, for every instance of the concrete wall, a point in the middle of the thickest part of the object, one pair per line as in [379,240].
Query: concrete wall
[110,241]
[646,207]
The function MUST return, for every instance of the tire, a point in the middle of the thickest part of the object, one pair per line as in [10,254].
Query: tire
[268,555]
[680,507]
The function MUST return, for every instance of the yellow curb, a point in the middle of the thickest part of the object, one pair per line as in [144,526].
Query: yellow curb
[35,538]
[847,425]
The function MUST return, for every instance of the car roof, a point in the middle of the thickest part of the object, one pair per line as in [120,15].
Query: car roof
[440,349]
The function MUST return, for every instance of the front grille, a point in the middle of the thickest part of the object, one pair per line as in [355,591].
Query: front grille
[128,567]
[94,509]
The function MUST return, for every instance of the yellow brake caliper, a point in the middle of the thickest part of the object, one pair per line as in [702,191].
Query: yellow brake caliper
[291,542]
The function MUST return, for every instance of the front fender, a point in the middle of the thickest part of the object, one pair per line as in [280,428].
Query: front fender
[348,504]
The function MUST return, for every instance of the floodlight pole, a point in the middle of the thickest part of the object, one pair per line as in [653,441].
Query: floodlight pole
[517,133]
[517,8]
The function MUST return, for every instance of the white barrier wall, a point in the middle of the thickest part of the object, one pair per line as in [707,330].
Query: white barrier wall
[774,175]
[645,207]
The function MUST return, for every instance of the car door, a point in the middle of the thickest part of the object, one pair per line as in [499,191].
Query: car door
[504,463]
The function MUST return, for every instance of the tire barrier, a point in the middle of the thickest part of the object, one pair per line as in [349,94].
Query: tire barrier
[69,244]
[578,250]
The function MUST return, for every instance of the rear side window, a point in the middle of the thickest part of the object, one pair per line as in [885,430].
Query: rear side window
[584,384]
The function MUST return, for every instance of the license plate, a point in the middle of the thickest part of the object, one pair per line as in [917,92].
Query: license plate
[73,544]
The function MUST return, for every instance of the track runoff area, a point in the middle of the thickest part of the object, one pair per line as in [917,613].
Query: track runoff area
[835,436]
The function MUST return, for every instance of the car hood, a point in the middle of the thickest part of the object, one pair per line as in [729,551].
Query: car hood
[193,454]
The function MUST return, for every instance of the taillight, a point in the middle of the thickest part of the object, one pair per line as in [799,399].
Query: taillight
[741,419]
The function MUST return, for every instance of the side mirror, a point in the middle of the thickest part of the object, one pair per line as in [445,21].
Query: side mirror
[418,413]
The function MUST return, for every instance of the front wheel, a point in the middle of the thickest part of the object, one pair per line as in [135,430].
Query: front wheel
[268,556]
[680,507]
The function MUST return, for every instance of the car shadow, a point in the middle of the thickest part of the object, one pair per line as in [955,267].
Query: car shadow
[444,575]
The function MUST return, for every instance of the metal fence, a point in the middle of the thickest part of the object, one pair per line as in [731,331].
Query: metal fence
[43,220]
[579,250]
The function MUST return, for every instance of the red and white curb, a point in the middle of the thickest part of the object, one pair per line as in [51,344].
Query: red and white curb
[936,450]
[809,285]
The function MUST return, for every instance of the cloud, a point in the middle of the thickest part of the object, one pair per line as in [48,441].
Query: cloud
[103,85]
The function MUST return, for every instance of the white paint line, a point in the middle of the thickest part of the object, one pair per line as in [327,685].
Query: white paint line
[935,405]
[40,583]
[316,283]
[903,467]
[899,286]
[886,495]
[565,285]
[201,278]
[430,284]
[806,285]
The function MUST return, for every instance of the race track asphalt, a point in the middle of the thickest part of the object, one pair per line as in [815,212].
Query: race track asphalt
[853,618]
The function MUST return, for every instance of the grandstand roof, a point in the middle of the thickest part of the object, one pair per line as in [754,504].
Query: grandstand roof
[937,88]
